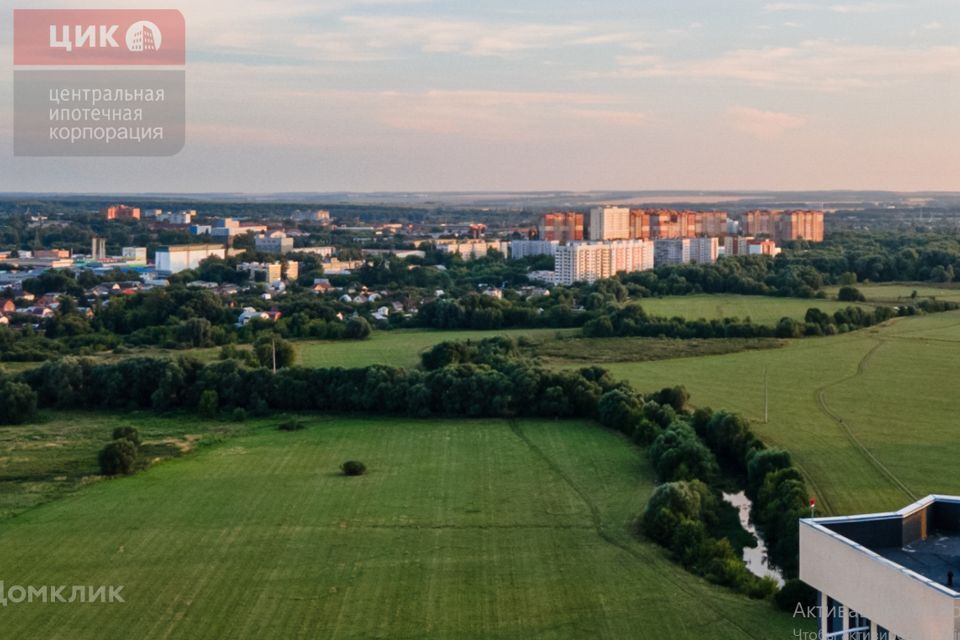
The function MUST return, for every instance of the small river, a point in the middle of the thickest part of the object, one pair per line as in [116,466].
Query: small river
[756,557]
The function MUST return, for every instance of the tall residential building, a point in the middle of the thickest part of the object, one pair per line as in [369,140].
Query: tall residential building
[562,227]
[120,212]
[686,250]
[609,223]
[886,575]
[640,225]
[98,248]
[592,261]
[783,226]
[748,246]
[177,258]
[520,249]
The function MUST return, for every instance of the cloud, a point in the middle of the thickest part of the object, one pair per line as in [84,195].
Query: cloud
[816,65]
[764,125]
[852,7]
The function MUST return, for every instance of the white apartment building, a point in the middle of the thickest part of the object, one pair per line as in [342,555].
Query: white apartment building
[886,576]
[520,249]
[471,249]
[592,261]
[177,258]
[686,250]
[609,223]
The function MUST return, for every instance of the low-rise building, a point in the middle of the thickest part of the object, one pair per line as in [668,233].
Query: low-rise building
[276,242]
[177,258]
[886,575]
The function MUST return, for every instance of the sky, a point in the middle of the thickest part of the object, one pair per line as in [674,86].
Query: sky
[503,95]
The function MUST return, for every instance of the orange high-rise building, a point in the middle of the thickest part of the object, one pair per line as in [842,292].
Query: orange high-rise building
[562,227]
[121,212]
[783,226]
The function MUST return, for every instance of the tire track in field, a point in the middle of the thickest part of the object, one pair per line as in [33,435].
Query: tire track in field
[599,527]
[821,395]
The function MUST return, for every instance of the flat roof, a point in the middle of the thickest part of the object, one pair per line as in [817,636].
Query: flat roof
[191,247]
[921,540]
[932,558]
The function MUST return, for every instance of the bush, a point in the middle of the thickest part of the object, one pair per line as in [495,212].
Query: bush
[127,433]
[18,403]
[850,294]
[353,468]
[239,414]
[118,458]
[291,425]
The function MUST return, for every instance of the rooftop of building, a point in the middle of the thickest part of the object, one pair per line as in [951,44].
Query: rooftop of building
[922,540]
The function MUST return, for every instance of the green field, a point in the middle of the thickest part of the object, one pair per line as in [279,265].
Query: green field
[399,348]
[760,309]
[901,292]
[462,529]
[869,416]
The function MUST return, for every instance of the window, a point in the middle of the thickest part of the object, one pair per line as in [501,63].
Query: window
[834,617]
[859,627]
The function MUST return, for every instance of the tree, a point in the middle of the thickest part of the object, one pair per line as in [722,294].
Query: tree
[209,404]
[196,332]
[118,458]
[270,346]
[357,329]
[18,402]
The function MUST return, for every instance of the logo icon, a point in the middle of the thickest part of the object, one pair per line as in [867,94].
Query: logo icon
[144,36]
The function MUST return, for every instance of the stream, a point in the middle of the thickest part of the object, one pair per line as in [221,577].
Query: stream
[755,558]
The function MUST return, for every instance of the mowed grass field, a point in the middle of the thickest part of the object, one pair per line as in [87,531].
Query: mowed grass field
[870,416]
[402,348]
[461,529]
[399,348]
[760,309]
[892,293]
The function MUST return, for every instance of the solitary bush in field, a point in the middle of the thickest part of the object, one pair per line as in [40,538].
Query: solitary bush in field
[118,458]
[292,425]
[353,468]
[127,433]
[850,294]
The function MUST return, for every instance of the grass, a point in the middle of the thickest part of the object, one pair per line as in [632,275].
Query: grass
[569,349]
[898,292]
[869,416]
[461,529]
[399,348]
[760,309]
[57,454]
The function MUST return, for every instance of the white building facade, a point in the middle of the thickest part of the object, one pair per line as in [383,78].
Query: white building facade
[609,223]
[592,261]
[177,258]
[886,576]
